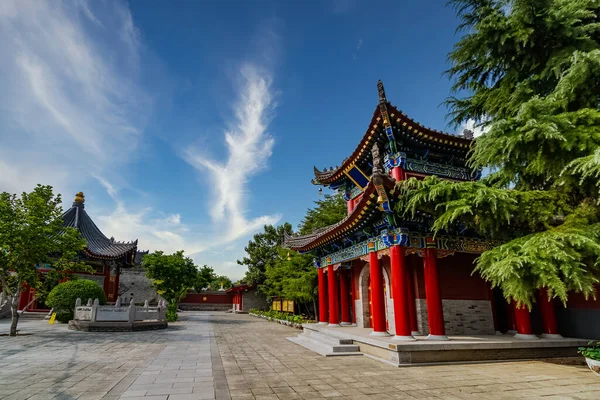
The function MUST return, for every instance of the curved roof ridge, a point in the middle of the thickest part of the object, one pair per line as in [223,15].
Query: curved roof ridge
[98,244]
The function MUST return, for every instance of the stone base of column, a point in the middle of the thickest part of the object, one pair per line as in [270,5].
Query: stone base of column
[437,337]
[333,325]
[404,338]
[498,333]
[323,323]
[552,336]
[416,333]
[346,323]
[379,334]
[525,336]
[511,332]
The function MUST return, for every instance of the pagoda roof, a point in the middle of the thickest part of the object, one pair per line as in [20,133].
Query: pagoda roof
[98,245]
[404,126]
[364,212]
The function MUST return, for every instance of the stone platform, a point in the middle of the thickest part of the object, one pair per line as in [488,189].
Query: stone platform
[116,326]
[326,341]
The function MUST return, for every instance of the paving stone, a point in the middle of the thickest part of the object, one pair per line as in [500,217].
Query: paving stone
[239,357]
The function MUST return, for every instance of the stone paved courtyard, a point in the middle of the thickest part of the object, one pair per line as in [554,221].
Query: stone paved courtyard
[225,356]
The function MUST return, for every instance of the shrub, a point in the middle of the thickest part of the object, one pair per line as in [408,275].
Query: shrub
[171,312]
[280,315]
[62,298]
[591,352]
[64,316]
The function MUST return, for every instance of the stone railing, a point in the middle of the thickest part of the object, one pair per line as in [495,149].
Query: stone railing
[94,312]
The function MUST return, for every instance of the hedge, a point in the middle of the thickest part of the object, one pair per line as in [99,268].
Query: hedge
[62,298]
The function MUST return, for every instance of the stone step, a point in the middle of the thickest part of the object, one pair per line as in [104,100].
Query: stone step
[33,315]
[325,349]
[325,338]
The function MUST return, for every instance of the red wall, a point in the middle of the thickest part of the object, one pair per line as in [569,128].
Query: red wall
[211,298]
[576,300]
[456,280]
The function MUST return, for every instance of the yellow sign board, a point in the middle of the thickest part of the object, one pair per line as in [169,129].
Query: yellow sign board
[52,318]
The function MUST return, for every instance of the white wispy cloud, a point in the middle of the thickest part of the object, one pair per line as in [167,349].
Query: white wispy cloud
[477,128]
[73,111]
[249,147]
[358,46]
[70,104]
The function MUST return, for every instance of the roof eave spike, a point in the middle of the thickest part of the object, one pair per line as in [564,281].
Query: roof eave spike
[381,90]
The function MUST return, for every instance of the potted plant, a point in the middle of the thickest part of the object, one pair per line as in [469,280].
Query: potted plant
[592,356]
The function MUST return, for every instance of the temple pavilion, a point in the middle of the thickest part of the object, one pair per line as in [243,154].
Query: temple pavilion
[385,272]
[106,255]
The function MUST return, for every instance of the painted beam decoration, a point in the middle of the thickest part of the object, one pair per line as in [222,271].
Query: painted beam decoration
[449,244]
[429,168]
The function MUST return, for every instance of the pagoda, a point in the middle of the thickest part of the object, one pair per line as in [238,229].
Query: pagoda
[105,255]
[381,270]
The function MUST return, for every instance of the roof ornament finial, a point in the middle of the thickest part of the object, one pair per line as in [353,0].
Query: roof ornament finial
[377,160]
[79,198]
[381,90]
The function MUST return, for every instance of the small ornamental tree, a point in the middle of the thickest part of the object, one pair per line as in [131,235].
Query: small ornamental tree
[63,297]
[172,275]
[32,233]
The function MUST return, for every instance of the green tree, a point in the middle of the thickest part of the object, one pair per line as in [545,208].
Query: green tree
[292,276]
[531,72]
[219,281]
[262,250]
[205,277]
[172,275]
[329,210]
[32,233]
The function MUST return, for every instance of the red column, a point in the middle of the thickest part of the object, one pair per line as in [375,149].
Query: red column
[377,295]
[412,306]
[334,319]
[548,315]
[523,322]
[435,311]
[24,296]
[400,293]
[494,309]
[117,282]
[350,206]
[353,296]
[344,297]
[398,174]
[322,297]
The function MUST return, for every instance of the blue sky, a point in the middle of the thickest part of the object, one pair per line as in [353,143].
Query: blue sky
[188,125]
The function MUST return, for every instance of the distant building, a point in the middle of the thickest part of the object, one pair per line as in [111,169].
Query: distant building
[108,257]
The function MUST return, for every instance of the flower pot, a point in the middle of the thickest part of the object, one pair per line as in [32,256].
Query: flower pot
[594,365]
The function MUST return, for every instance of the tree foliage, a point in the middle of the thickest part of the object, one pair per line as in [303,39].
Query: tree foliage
[329,210]
[205,276]
[531,72]
[262,251]
[286,273]
[219,281]
[172,275]
[32,233]
[293,276]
